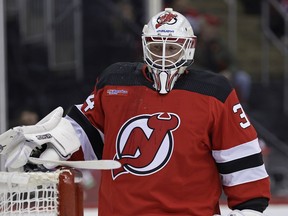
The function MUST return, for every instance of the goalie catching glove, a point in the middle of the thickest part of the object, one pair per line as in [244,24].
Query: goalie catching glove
[53,130]
[245,212]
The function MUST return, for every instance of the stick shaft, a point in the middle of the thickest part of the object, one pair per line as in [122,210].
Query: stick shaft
[90,164]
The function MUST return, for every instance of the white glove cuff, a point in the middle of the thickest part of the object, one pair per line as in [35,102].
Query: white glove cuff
[245,212]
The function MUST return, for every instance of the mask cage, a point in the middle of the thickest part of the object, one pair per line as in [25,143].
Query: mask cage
[181,54]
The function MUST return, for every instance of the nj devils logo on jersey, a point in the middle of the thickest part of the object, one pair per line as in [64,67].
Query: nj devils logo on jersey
[145,143]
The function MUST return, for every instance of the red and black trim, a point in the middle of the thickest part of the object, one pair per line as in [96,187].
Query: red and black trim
[91,132]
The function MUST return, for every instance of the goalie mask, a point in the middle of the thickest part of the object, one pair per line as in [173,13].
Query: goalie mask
[168,44]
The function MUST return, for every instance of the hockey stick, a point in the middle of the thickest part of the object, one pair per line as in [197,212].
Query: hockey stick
[90,164]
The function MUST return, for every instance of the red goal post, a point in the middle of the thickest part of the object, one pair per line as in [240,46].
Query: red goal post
[41,193]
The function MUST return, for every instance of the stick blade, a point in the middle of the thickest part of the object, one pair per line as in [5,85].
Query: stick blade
[90,164]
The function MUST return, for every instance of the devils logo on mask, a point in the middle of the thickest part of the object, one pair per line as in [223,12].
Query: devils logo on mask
[167,18]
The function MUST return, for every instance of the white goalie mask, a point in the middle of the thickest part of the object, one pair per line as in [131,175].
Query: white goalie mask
[168,44]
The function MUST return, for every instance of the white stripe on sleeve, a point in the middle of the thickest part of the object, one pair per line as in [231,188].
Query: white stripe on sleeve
[244,176]
[240,151]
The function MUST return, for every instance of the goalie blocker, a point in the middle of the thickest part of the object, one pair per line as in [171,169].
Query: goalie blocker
[53,130]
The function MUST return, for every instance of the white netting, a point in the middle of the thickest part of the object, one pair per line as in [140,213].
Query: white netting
[29,193]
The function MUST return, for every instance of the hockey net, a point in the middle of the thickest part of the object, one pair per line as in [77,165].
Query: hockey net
[41,193]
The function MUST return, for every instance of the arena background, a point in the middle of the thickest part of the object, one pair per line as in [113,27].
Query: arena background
[53,50]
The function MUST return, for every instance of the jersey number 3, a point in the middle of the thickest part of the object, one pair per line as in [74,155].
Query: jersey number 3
[244,120]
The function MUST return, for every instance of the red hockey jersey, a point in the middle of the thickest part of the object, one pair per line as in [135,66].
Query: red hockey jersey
[177,150]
